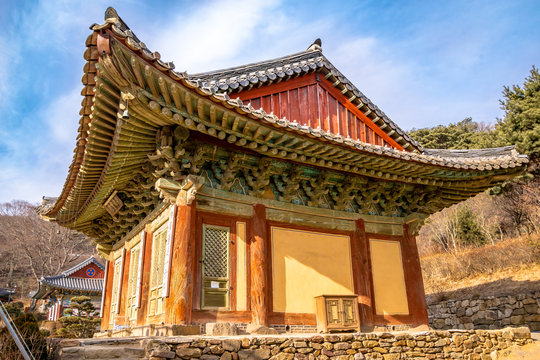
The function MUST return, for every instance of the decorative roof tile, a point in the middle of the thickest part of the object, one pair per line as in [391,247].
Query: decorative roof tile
[69,283]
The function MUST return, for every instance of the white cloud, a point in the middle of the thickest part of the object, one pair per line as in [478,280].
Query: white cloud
[212,33]
[36,163]
[61,116]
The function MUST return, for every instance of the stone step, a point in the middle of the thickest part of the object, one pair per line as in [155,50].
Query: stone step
[102,352]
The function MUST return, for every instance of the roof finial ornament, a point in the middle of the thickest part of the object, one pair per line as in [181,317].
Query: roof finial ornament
[316,46]
[111,13]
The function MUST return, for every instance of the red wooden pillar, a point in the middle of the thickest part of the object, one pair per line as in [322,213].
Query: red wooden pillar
[361,271]
[142,310]
[258,250]
[413,278]
[105,315]
[179,302]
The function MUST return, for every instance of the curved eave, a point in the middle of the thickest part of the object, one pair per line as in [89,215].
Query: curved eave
[250,76]
[110,150]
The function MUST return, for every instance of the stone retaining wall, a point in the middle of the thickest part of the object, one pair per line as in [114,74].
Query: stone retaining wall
[455,344]
[487,313]
[465,344]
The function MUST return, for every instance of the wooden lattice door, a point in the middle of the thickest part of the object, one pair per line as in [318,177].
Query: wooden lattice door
[131,311]
[215,267]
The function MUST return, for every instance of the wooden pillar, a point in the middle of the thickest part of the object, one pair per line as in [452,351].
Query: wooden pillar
[179,302]
[106,313]
[121,318]
[142,310]
[258,251]
[361,271]
[413,278]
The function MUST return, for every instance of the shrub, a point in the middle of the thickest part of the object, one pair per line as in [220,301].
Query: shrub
[32,336]
[82,320]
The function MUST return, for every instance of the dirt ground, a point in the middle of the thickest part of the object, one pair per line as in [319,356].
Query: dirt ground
[527,352]
[505,282]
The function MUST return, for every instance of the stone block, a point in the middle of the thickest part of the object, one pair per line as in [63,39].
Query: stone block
[188,353]
[256,354]
[164,354]
[260,330]
[231,345]
[521,332]
[282,356]
[226,356]
[183,330]
[221,329]
[515,320]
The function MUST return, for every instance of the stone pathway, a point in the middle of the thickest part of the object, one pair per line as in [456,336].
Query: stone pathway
[105,349]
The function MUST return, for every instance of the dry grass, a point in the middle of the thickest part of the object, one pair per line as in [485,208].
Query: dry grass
[488,270]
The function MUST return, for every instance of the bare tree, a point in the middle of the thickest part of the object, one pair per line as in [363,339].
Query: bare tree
[34,246]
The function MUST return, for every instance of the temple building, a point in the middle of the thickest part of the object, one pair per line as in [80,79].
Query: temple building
[247,195]
[55,292]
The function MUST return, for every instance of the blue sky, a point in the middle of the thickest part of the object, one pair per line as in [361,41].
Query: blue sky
[422,62]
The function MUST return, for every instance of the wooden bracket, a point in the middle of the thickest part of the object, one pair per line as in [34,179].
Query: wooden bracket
[180,193]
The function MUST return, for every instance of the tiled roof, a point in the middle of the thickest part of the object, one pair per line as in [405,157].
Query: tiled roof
[159,96]
[63,281]
[90,260]
[474,153]
[312,60]
[70,283]
[206,84]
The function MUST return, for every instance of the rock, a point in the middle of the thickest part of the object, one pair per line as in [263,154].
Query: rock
[515,320]
[226,356]
[221,329]
[282,356]
[260,330]
[164,354]
[231,345]
[188,353]
[359,356]
[257,354]
[342,346]
[209,357]
[522,332]
[380,350]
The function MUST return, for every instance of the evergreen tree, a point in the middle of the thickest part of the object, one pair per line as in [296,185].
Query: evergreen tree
[521,123]
[469,231]
[82,320]
[466,134]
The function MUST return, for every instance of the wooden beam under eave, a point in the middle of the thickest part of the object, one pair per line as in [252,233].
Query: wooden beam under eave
[150,80]
[177,95]
[165,91]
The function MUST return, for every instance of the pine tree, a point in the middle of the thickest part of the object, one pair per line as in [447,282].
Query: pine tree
[82,320]
[469,231]
[521,123]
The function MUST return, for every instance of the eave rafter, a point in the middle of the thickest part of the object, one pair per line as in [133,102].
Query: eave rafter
[112,150]
[223,121]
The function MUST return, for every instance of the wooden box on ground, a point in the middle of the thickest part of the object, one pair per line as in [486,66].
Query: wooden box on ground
[337,313]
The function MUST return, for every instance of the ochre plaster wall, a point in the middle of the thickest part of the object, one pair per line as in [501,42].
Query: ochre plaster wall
[306,264]
[241,273]
[388,278]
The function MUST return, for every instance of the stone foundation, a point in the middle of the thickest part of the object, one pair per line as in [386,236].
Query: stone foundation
[487,313]
[454,344]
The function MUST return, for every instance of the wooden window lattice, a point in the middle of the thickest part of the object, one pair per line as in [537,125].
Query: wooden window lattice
[216,252]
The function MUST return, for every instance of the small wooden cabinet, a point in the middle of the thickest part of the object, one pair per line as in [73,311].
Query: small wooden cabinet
[337,313]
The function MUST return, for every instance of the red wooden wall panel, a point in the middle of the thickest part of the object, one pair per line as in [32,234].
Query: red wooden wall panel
[310,100]
[95,273]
